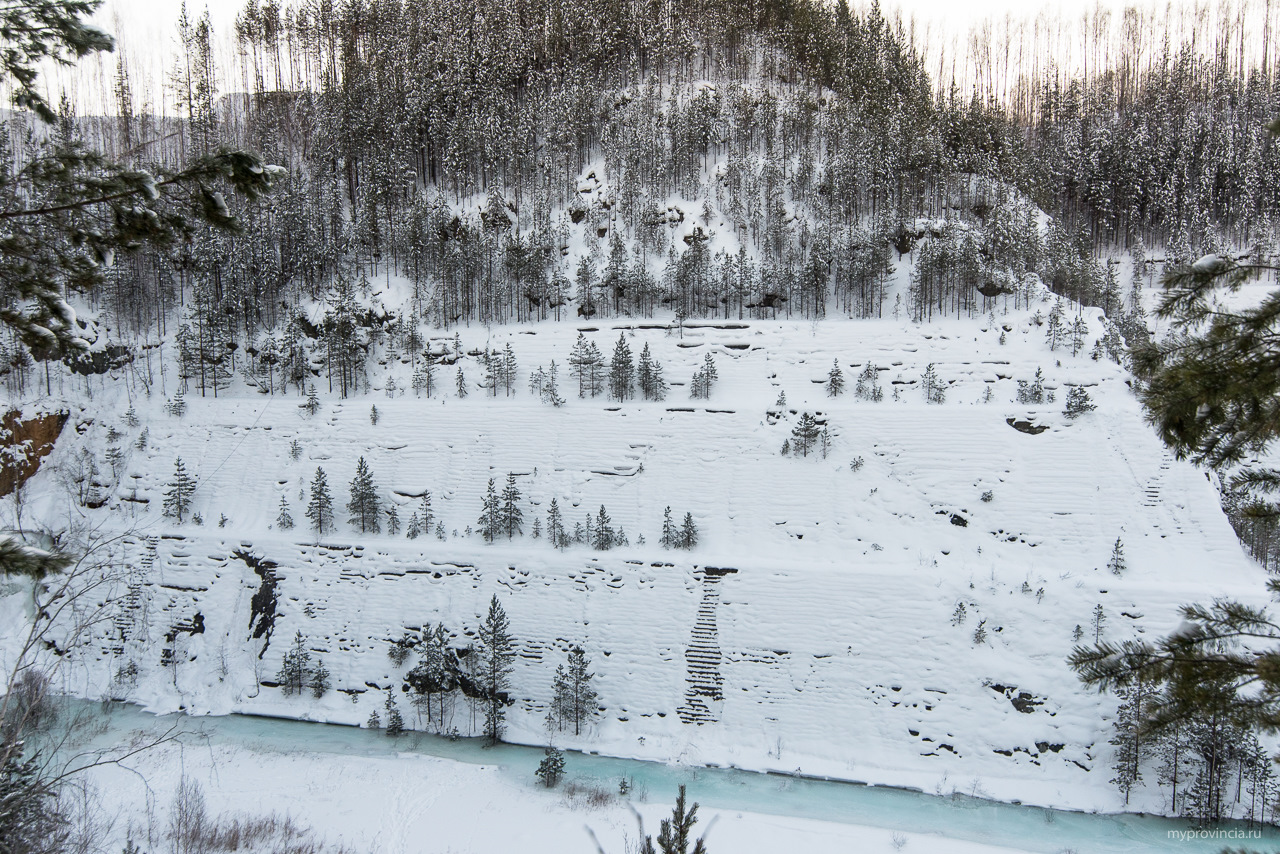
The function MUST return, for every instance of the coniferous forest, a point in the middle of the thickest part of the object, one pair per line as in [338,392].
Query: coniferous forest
[528,160]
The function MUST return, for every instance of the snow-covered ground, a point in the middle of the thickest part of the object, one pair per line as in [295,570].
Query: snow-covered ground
[812,628]
[416,793]
[409,804]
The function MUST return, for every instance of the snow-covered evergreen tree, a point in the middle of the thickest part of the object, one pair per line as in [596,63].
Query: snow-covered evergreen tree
[511,516]
[555,526]
[320,507]
[319,681]
[804,435]
[1116,563]
[935,391]
[295,668]
[177,405]
[602,531]
[621,370]
[670,534]
[284,520]
[835,380]
[177,499]
[395,721]
[364,506]
[1078,402]
[551,389]
[312,405]
[688,532]
[575,701]
[551,768]
[490,520]
[1129,737]
[1055,329]
[497,654]
[649,376]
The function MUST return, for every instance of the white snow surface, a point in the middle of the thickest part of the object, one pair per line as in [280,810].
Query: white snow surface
[818,604]
[410,803]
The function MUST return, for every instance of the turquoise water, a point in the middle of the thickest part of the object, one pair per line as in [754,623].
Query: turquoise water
[956,817]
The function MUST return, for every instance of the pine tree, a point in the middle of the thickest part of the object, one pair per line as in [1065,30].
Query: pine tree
[621,370]
[319,681]
[934,390]
[1032,392]
[688,532]
[703,379]
[555,526]
[805,434]
[295,667]
[980,633]
[644,372]
[579,361]
[511,514]
[462,383]
[425,513]
[1056,328]
[131,417]
[364,504]
[1079,333]
[670,535]
[177,500]
[1116,563]
[373,415]
[435,672]
[509,369]
[414,528]
[594,369]
[537,382]
[395,722]
[393,520]
[497,653]
[1173,750]
[601,531]
[835,380]
[1098,621]
[1078,402]
[312,406]
[868,387]
[320,508]
[284,521]
[374,721]
[492,372]
[177,405]
[490,521]
[551,768]
[675,833]
[1129,738]
[424,377]
[551,391]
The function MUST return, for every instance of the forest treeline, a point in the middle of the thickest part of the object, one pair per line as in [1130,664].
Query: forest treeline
[527,159]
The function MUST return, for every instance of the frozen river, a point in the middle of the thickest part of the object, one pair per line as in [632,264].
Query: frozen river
[952,816]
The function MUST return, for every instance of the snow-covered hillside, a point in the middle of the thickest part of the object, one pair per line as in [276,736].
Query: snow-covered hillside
[814,628]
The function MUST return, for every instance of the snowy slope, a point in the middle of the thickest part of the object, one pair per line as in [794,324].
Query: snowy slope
[811,630]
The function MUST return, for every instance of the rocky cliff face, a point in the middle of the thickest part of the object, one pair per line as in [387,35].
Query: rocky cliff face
[23,444]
